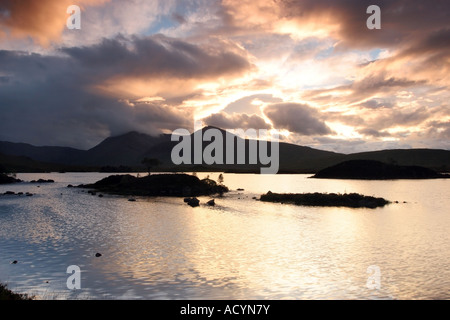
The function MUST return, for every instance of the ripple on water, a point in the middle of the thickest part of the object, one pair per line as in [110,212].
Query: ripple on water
[160,248]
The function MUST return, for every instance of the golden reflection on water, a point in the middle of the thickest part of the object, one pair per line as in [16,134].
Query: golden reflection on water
[241,248]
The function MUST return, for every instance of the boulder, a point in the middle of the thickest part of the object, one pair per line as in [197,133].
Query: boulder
[193,202]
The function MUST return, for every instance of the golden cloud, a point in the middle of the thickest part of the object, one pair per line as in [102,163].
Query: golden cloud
[43,20]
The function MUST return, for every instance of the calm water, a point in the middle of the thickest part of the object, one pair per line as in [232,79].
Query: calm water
[160,248]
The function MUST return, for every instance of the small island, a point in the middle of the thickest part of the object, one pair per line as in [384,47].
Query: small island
[352,200]
[169,185]
[376,170]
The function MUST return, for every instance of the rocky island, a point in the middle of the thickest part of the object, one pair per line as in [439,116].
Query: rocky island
[376,170]
[171,185]
[5,179]
[352,200]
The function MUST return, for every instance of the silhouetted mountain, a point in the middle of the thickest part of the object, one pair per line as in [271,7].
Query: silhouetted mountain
[130,149]
[376,170]
[59,155]
[125,150]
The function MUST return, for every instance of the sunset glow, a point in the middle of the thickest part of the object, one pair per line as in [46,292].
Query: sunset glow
[228,63]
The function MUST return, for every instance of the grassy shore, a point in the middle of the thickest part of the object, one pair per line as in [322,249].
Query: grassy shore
[352,200]
[6,294]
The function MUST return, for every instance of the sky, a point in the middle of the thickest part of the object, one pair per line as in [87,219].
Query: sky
[310,69]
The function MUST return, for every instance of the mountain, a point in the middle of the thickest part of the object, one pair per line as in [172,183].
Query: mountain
[293,158]
[125,150]
[128,150]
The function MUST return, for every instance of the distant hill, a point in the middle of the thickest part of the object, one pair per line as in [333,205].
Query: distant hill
[376,170]
[125,152]
[17,164]
[435,159]
[56,155]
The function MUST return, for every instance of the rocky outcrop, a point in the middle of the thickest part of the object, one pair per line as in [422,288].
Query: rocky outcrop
[352,200]
[5,179]
[172,185]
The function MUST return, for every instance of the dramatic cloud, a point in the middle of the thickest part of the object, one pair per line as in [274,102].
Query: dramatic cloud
[43,20]
[236,121]
[159,56]
[402,20]
[41,94]
[298,118]
[310,67]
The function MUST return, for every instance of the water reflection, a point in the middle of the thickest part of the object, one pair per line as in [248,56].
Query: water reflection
[160,248]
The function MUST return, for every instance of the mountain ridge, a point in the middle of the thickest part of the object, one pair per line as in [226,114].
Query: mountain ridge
[129,149]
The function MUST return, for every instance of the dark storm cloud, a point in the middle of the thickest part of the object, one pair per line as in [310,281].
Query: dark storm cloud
[158,56]
[298,118]
[52,99]
[401,20]
[433,51]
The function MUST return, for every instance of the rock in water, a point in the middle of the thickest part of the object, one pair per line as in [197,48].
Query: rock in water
[193,202]
[211,202]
